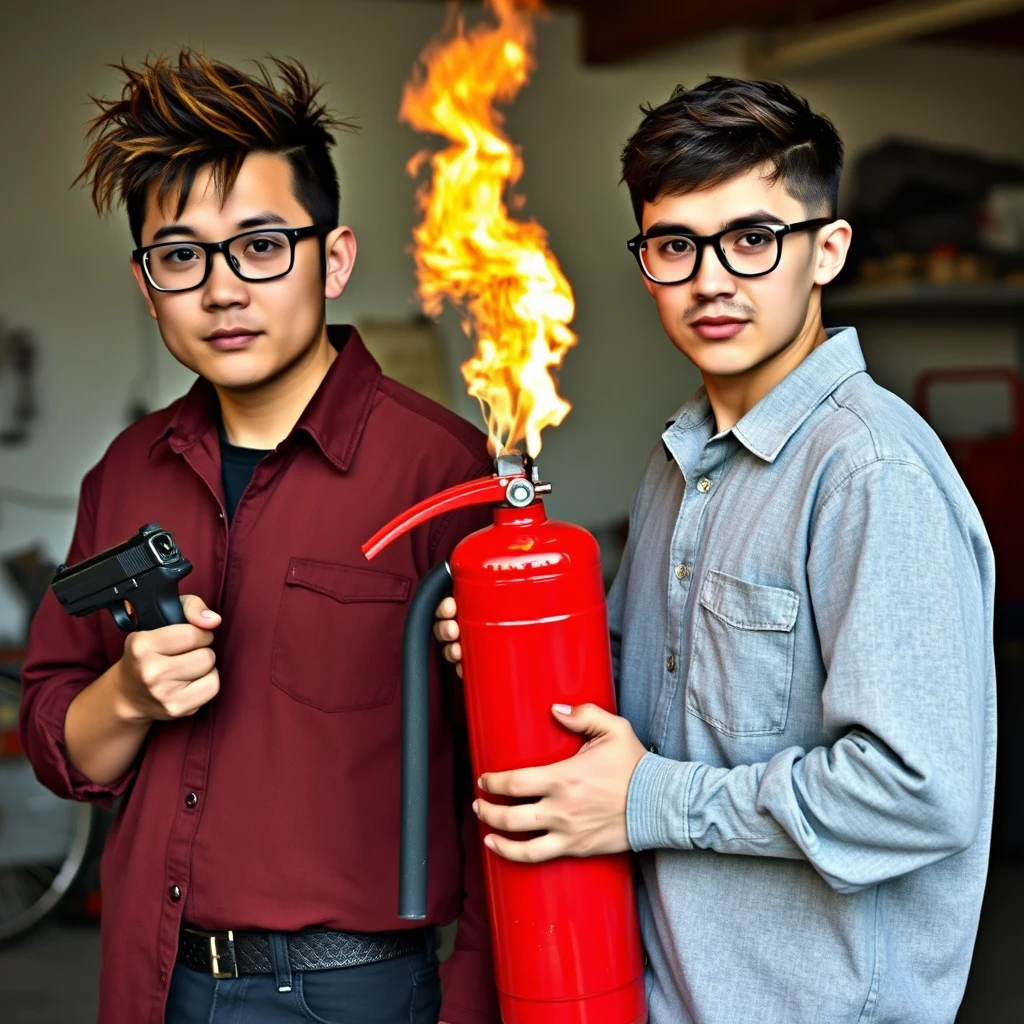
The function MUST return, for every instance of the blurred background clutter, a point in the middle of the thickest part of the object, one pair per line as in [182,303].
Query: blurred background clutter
[927,97]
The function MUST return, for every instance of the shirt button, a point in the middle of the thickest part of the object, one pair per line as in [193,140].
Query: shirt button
[703,485]
[682,572]
[671,663]
[191,800]
[175,893]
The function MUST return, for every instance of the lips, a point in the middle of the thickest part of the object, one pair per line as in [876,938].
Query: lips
[715,328]
[229,339]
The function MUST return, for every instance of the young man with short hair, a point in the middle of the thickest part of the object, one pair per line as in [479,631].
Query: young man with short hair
[801,623]
[251,874]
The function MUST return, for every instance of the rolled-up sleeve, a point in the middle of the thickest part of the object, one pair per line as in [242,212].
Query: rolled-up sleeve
[64,656]
[900,581]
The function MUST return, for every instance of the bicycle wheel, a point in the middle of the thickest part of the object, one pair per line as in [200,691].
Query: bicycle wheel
[43,839]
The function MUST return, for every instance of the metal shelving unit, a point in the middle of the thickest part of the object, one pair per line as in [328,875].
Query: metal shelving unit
[919,297]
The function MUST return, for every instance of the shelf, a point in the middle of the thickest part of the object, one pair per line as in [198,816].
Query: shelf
[918,298]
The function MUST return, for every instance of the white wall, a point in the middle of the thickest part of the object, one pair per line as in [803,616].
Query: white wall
[63,273]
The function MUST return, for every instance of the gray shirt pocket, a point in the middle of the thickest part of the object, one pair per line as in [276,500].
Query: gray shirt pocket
[742,665]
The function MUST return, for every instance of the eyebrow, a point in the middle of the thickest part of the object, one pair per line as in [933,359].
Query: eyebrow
[257,221]
[757,217]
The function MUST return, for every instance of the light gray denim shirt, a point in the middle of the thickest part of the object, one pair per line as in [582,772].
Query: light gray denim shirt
[802,635]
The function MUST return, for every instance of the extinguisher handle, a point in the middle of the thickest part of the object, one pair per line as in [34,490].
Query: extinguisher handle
[484,490]
[416,659]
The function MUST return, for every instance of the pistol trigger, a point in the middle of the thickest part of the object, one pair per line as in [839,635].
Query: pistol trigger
[121,617]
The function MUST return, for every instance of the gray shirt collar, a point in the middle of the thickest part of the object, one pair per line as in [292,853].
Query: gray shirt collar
[766,428]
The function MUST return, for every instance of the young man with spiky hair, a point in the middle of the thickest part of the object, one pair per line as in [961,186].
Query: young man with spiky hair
[251,874]
[801,624]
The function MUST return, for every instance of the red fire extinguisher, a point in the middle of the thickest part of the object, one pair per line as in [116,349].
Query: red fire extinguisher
[534,632]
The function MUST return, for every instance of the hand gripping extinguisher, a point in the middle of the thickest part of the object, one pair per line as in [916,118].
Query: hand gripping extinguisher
[534,632]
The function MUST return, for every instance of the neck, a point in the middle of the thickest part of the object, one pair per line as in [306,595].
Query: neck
[732,396]
[263,416]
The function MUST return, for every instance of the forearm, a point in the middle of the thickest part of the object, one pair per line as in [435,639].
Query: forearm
[856,813]
[102,735]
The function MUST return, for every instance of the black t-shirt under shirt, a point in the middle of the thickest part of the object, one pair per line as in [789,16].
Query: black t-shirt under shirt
[237,468]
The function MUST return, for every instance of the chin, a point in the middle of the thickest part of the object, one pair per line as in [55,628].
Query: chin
[239,381]
[243,368]
[718,358]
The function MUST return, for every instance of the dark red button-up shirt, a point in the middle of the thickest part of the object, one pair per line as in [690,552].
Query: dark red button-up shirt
[276,806]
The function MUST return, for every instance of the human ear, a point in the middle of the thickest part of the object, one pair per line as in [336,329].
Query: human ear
[340,254]
[833,247]
[140,280]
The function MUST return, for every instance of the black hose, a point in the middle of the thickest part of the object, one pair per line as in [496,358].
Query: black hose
[416,659]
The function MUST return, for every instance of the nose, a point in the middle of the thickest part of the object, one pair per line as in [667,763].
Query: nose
[712,278]
[224,288]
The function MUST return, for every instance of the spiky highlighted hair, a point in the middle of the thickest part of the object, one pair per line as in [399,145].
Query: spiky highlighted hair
[177,117]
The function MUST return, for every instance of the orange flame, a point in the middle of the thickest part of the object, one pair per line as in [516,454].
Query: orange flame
[498,271]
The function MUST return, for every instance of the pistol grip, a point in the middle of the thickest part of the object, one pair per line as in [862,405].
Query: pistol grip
[155,600]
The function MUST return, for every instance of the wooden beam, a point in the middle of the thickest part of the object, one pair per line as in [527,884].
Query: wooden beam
[780,51]
[620,29]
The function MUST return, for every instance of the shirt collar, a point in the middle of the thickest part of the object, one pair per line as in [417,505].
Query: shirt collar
[766,428]
[334,418]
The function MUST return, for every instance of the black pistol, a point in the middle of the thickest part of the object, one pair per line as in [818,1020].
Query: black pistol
[144,571]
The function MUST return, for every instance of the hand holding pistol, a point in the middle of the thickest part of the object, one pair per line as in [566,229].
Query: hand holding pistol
[167,670]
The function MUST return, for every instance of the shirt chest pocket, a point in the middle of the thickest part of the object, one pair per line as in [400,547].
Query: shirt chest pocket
[338,640]
[741,670]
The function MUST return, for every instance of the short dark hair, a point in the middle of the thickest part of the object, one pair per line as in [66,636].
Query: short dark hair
[723,127]
[176,117]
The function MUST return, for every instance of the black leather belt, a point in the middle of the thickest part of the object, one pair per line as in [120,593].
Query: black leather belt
[230,954]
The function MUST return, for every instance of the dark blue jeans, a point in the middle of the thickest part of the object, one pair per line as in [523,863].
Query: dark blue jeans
[405,990]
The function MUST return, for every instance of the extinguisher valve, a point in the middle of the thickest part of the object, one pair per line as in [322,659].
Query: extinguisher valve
[520,493]
[524,483]
[513,463]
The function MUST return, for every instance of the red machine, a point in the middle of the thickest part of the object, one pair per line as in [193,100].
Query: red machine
[534,633]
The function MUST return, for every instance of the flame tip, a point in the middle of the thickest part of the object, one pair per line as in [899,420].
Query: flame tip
[498,271]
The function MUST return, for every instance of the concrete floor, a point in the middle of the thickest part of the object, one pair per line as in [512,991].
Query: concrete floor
[49,976]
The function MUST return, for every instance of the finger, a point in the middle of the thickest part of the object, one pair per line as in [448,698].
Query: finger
[164,676]
[446,630]
[521,782]
[446,609]
[527,851]
[515,818]
[192,665]
[453,653]
[585,719]
[167,641]
[189,699]
[178,639]
[197,612]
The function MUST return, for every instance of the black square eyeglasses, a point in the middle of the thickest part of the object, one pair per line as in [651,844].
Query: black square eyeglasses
[261,255]
[669,256]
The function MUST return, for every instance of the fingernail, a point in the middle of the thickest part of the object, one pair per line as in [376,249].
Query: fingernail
[480,783]
[208,615]
[562,709]
[476,807]
[489,843]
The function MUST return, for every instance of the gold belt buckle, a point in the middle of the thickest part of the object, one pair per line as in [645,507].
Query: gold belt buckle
[215,958]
